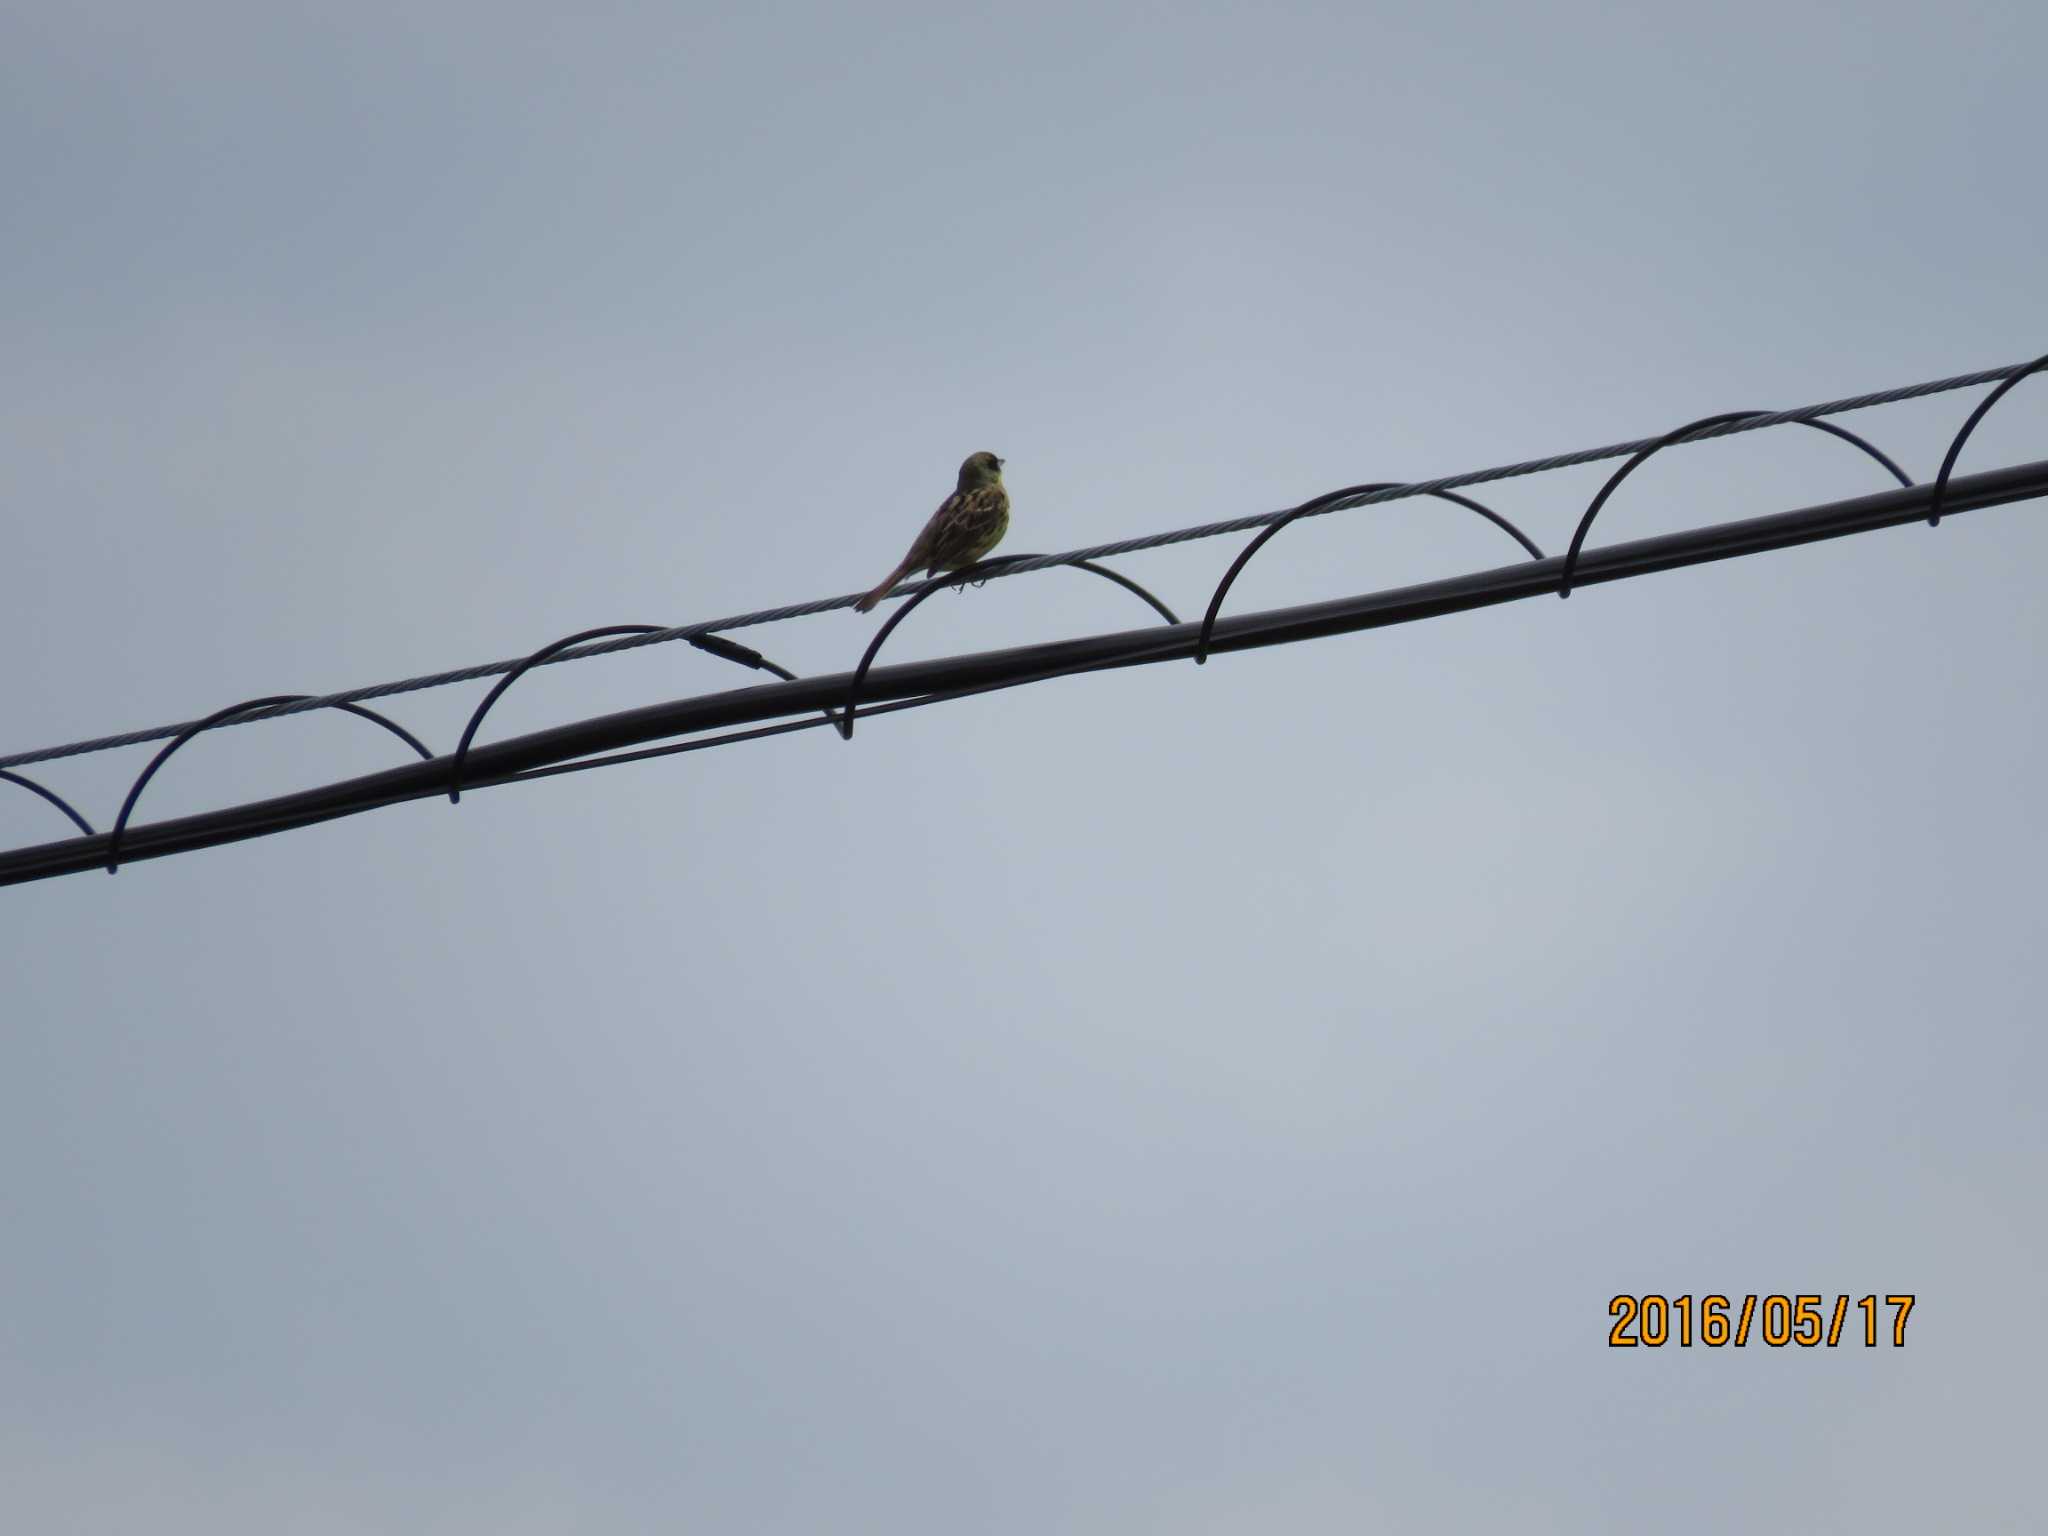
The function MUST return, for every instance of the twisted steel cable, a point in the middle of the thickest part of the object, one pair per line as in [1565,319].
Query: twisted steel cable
[1019,567]
[744,714]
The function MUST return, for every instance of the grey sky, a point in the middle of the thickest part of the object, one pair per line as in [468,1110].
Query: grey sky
[1195,1100]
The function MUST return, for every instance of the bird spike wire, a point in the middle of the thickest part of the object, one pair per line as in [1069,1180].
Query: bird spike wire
[552,648]
[707,629]
[1688,433]
[179,740]
[50,795]
[576,746]
[624,636]
[975,574]
[1955,447]
[715,645]
[1322,504]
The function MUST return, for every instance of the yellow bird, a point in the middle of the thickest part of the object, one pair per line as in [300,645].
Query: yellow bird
[968,524]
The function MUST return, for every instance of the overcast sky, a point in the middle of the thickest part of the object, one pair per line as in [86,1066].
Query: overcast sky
[1196,1100]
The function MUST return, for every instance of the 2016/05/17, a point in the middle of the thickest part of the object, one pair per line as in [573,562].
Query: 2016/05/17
[1786,1320]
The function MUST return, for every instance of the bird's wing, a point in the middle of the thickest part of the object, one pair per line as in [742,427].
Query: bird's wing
[962,527]
[931,535]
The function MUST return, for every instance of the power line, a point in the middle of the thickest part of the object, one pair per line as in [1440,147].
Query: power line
[805,703]
[710,628]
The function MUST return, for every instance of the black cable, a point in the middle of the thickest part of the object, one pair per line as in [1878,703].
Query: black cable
[703,634]
[568,748]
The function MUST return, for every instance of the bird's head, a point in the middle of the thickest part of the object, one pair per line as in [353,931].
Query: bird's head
[980,469]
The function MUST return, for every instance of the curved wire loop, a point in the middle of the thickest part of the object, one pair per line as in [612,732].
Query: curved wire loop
[498,689]
[1321,503]
[711,645]
[219,715]
[1679,435]
[1134,588]
[50,795]
[1948,462]
[978,571]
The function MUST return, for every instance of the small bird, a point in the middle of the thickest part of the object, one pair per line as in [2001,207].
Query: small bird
[968,524]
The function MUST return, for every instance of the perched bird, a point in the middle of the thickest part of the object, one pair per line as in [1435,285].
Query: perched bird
[968,524]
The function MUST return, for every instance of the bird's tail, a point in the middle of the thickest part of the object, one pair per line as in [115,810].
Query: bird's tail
[882,591]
